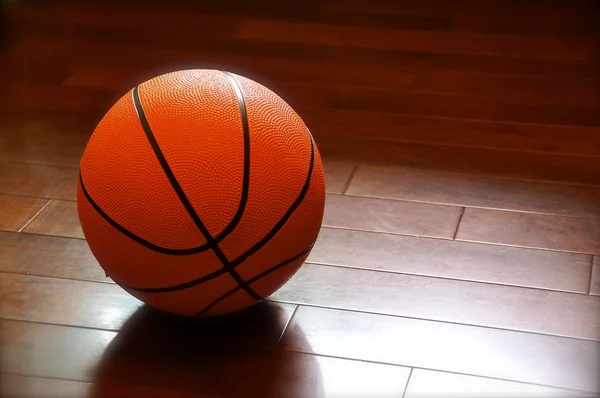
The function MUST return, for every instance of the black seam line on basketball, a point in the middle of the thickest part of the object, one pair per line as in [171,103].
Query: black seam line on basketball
[257,277]
[131,235]
[247,254]
[184,200]
[246,171]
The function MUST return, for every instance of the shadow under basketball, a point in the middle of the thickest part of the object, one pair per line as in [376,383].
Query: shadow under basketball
[160,355]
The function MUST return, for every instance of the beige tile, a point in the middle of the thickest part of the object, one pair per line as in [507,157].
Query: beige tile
[15,211]
[49,256]
[337,173]
[432,384]
[525,357]
[507,307]
[407,183]
[59,218]
[574,234]
[595,282]
[392,216]
[38,180]
[451,259]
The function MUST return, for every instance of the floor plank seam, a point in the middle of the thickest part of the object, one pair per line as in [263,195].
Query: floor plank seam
[350,178]
[528,247]
[591,276]
[454,205]
[460,217]
[287,324]
[20,230]
[471,325]
[441,370]
[479,282]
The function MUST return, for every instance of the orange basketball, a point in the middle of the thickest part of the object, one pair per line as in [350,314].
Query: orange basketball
[201,192]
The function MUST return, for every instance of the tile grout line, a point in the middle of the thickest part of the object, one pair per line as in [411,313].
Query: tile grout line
[34,216]
[460,218]
[287,324]
[350,178]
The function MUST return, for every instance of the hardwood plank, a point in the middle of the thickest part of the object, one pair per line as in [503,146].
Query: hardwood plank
[261,69]
[384,100]
[51,351]
[15,386]
[522,89]
[337,174]
[54,140]
[446,187]
[381,215]
[575,115]
[471,303]
[49,256]
[38,180]
[469,133]
[572,234]
[63,301]
[17,210]
[107,306]
[595,277]
[468,63]
[428,383]
[53,96]
[187,362]
[523,357]
[541,46]
[59,218]
[531,166]
[455,260]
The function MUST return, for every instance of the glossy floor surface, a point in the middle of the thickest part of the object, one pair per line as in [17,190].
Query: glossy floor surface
[460,248]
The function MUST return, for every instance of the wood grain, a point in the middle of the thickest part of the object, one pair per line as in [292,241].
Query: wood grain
[573,234]
[510,355]
[542,46]
[59,218]
[472,63]
[553,313]
[54,140]
[469,133]
[17,211]
[38,180]
[570,115]
[522,89]
[446,187]
[49,256]
[380,215]
[455,260]
[385,100]
[428,383]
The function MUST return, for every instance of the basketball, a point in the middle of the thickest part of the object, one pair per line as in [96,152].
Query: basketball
[200,192]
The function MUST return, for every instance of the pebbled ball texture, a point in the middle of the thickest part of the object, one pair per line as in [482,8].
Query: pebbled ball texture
[193,213]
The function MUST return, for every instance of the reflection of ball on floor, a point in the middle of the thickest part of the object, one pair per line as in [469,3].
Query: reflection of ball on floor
[201,192]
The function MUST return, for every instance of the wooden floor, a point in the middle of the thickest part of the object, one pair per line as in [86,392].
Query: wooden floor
[460,248]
